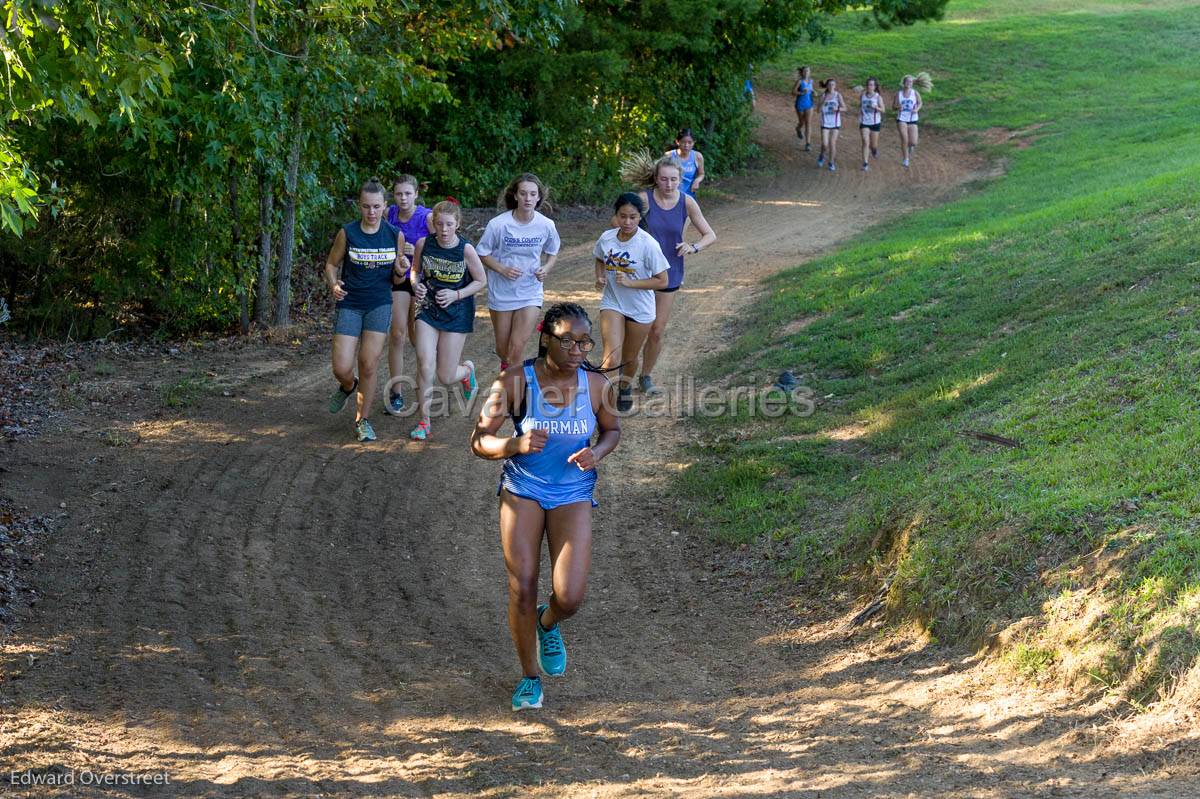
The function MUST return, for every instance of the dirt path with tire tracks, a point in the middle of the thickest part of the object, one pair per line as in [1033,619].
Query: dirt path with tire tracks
[260,607]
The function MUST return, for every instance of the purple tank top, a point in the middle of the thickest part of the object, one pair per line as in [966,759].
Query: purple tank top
[415,229]
[667,229]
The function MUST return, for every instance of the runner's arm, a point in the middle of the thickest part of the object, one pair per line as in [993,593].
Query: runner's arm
[478,275]
[604,395]
[333,265]
[696,217]
[485,440]
[543,271]
[401,265]
[414,277]
[696,181]
[657,282]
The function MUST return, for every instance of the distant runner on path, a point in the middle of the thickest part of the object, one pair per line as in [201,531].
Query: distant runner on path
[668,211]
[558,404]
[358,270]
[908,107]
[870,119]
[630,267]
[412,220]
[832,106]
[691,162]
[520,247]
[447,274]
[803,92]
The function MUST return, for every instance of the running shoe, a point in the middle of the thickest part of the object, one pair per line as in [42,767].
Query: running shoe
[468,383]
[820,160]
[647,387]
[364,430]
[808,148]
[504,366]
[866,167]
[874,153]
[337,400]
[395,404]
[552,652]
[528,693]
[421,431]
[624,399]
[832,167]
[904,162]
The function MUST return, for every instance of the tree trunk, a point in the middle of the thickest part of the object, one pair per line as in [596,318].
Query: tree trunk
[287,234]
[263,310]
[235,246]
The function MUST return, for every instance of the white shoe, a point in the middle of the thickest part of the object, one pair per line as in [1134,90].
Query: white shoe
[905,162]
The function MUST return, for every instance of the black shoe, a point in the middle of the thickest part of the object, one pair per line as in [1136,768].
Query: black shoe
[624,400]
[786,381]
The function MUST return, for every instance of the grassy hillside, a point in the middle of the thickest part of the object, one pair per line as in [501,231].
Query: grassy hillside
[1055,307]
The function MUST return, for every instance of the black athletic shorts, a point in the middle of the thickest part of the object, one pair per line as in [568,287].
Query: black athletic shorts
[874,128]
[405,286]
[669,291]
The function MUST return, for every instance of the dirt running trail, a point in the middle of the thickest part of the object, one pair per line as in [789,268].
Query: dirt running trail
[262,608]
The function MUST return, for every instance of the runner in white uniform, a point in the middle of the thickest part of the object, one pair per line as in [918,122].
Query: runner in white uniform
[870,119]
[907,106]
[831,106]
[520,247]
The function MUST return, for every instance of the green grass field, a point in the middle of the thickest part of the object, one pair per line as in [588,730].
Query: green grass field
[1055,306]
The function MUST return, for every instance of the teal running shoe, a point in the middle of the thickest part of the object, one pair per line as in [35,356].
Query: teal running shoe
[469,386]
[364,430]
[528,694]
[337,400]
[552,652]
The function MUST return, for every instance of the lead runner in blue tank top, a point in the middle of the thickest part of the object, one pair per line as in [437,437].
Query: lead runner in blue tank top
[558,404]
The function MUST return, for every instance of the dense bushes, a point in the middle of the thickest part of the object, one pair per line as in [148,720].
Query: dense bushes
[178,154]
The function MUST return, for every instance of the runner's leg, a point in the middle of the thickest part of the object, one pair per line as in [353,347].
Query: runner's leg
[522,524]
[345,349]
[397,337]
[569,531]
[449,351]
[654,342]
[612,331]
[501,326]
[369,352]
[426,345]
[634,338]
[521,330]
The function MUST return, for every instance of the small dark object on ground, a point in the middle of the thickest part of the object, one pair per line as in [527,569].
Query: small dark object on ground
[994,439]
